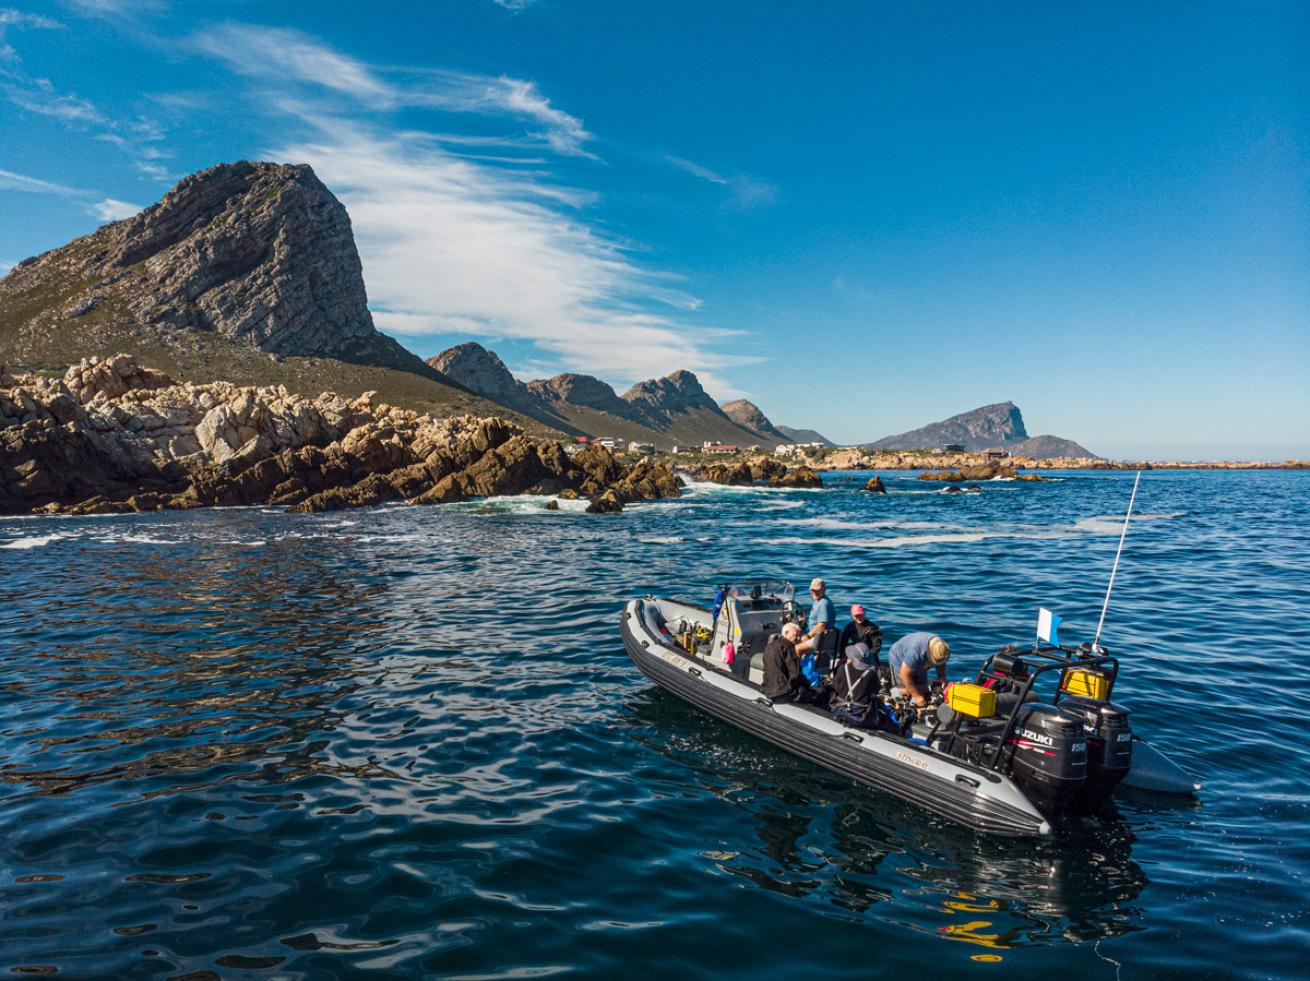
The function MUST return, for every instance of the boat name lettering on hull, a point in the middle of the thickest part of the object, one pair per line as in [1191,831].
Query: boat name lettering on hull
[913,761]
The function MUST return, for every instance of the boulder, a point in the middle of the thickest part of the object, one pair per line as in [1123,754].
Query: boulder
[875,484]
[606,503]
[552,505]
[801,476]
[729,474]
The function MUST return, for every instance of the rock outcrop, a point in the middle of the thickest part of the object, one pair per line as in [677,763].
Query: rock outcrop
[801,476]
[980,471]
[114,436]
[260,254]
[763,470]
[876,485]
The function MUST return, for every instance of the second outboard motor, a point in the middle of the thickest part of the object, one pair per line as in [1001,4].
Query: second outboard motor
[1050,756]
[1109,748]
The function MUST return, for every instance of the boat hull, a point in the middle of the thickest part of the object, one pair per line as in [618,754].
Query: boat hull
[969,796]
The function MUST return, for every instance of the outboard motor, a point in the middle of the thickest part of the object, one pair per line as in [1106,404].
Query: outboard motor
[1050,756]
[1109,747]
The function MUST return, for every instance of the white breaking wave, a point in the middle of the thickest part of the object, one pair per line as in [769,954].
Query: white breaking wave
[901,541]
[1109,524]
[32,541]
[839,524]
[522,504]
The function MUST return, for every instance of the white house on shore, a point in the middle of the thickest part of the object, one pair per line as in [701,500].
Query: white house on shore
[797,449]
[636,446]
[712,447]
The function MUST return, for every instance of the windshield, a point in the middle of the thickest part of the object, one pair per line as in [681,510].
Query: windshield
[778,589]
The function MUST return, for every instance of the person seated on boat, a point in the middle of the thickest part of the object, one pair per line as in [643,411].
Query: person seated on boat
[856,679]
[861,630]
[783,679]
[909,660]
[822,613]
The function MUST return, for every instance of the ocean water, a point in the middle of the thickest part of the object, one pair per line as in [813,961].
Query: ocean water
[407,740]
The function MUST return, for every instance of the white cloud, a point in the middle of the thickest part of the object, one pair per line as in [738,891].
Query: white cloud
[517,6]
[747,193]
[10,181]
[17,18]
[282,55]
[455,246]
[110,209]
[106,209]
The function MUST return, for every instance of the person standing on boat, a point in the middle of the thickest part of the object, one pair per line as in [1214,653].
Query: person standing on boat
[909,660]
[861,630]
[783,679]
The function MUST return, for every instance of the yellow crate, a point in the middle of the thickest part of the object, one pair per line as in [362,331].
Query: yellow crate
[974,701]
[1089,684]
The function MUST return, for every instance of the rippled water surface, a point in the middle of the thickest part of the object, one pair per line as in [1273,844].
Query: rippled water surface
[408,740]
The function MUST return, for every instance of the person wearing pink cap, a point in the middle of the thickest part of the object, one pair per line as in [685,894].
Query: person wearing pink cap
[861,630]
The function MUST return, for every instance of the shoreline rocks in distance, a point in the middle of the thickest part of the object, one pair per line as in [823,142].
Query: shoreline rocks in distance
[113,436]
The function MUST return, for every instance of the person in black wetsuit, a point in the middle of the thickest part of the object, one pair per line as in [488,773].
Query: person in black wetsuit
[861,630]
[783,679]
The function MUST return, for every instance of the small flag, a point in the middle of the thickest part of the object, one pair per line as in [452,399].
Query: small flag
[1048,625]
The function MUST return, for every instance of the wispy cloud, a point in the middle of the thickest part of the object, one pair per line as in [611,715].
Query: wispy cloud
[17,18]
[282,55]
[453,246]
[106,209]
[10,181]
[137,137]
[746,193]
[111,209]
[471,233]
[517,6]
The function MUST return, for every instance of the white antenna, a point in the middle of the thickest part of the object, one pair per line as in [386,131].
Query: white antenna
[1119,551]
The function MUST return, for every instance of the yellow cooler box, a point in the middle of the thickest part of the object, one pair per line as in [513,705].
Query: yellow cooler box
[974,701]
[1088,684]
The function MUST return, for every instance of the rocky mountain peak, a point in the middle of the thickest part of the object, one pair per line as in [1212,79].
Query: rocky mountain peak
[749,415]
[673,393]
[259,253]
[477,369]
[978,429]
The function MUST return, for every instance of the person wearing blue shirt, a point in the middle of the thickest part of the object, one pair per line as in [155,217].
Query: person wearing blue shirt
[822,613]
[909,660]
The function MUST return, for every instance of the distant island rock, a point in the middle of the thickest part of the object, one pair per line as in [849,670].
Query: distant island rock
[996,426]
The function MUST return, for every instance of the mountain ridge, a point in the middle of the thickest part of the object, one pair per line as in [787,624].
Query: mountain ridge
[667,411]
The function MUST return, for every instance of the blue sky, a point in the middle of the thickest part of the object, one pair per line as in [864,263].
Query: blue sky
[862,216]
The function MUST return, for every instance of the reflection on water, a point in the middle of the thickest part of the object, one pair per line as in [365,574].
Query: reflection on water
[822,836]
[407,741]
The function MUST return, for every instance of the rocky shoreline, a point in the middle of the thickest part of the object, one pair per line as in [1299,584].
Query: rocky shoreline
[861,459]
[112,436]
